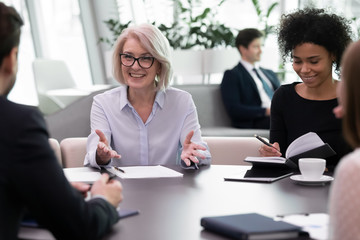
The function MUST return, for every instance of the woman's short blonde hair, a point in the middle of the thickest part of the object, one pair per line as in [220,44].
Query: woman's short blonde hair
[350,74]
[154,42]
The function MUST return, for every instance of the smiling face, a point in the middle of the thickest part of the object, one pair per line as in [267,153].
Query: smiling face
[252,53]
[313,64]
[135,76]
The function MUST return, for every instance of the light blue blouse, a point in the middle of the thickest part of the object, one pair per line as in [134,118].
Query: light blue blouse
[156,142]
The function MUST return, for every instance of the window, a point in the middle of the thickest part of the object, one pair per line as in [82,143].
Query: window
[24,91]
[63,36]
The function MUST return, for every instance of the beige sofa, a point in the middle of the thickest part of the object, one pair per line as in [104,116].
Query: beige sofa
[74,121]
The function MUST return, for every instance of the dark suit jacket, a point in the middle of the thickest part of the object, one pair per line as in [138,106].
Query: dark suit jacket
[31,178]
[241,96]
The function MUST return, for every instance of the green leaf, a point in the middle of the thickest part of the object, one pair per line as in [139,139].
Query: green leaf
[203,15]
[271,8]
[257,7]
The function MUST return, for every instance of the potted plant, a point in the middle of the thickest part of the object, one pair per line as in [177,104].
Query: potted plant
[189,35]
[188,31]
[263,17]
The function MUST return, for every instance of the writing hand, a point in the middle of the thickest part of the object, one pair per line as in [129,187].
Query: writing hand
[111,190]
[103,152]
[267,151]
[83,188]
[189,152]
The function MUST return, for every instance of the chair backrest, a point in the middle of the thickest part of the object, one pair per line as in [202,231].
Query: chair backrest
[73,151]
[52,74]
[56,147]
[209,105]
[232,150]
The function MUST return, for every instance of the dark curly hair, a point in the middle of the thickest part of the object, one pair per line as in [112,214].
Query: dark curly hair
[316,26]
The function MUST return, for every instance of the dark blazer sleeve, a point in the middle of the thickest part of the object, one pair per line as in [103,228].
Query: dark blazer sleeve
[240,95]
[38,181]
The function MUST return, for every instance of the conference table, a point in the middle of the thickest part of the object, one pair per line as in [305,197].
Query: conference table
[171,208]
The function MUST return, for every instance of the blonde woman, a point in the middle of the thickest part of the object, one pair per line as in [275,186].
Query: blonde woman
[144,121]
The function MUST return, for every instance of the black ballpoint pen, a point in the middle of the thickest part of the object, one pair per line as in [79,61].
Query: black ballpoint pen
[265,142]
[119,169]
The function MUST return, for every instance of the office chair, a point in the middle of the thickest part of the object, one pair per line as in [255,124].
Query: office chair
[56,147]
[232,150]
[73,151]
[55,85]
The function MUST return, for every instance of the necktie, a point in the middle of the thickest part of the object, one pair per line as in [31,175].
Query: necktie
[267,88]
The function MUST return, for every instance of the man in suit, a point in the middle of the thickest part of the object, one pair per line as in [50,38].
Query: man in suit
[31,179]
[247,89]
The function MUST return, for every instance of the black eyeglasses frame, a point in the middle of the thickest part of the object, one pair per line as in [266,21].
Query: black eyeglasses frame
[136,60]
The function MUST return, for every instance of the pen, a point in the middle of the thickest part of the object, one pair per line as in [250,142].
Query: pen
[265,142]
[292,214]
[111,177]
[119,169]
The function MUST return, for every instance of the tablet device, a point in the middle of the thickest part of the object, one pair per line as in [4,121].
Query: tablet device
[267,175]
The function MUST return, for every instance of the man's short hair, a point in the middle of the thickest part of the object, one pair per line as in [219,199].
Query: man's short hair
[246,36]
[10,23]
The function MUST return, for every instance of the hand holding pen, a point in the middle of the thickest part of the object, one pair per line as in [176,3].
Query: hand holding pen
[267,149]
[109,188]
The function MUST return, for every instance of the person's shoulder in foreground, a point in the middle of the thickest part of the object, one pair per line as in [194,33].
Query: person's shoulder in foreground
[343,200]
[344,206]
[35,180]
[31,179]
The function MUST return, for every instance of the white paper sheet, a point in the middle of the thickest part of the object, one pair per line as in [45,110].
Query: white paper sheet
[81,174]
[316,224]
[145,172]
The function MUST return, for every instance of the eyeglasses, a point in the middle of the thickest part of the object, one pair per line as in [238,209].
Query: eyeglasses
[128,60]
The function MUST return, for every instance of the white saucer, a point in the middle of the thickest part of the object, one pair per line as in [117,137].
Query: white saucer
[321,181]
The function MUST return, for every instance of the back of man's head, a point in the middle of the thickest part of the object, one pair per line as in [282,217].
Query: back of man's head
[10,23]
[246,36]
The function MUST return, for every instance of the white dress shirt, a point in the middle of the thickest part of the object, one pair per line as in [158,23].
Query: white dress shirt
[158,141]
[266,101]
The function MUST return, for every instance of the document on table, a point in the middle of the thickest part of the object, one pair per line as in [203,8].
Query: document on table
[82,174]
[144,172]
[316,224]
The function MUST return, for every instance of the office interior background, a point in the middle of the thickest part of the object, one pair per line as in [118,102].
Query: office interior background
[70,31]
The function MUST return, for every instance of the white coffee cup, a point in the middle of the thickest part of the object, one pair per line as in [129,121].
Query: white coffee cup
[312,168]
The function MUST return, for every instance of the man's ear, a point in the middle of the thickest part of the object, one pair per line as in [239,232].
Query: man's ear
[10,61]
[241,49]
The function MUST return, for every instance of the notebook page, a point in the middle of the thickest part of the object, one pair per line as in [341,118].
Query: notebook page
[304,143]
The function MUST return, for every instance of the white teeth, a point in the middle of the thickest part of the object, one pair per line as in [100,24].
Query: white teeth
[136,75]
[307,78]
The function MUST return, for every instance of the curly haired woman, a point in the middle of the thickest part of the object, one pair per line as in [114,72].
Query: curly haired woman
[315,41]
